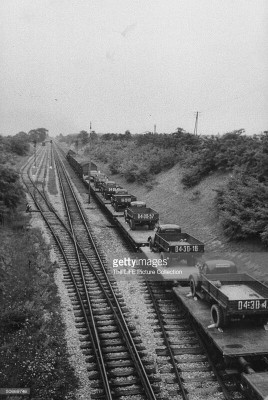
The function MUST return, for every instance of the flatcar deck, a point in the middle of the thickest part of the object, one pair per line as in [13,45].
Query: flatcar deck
[101,199]
[240,339]
[139,237]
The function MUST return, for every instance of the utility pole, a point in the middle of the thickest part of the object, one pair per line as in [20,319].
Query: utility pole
[196,122]
[154,128]
[35,154]
[89,164]
[51,155]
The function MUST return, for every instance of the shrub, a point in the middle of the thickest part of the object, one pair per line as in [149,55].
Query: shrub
[19,146]
[243,208]
[11,191]
[142,175]
[114,167]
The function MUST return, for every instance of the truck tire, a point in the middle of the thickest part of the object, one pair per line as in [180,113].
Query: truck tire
[217,316]
[194,284]
[132,225]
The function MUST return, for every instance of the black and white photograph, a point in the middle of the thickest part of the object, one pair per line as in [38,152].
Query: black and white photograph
[134,200]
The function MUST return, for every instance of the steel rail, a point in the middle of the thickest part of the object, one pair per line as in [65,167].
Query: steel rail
[170,352]
[82,275]
[124,329]
[120,317]
[93,334]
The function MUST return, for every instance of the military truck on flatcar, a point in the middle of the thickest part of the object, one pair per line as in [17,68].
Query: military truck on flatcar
[122,199]
[99,179]
[232,295]
[169,238]
[108,188]
[138,214]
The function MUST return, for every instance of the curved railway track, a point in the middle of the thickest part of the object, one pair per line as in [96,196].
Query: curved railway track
[117,362]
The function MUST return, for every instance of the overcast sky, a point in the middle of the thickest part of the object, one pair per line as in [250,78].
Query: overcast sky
[130,64]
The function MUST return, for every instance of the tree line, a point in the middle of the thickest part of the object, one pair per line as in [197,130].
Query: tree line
[242,203]
[11,191]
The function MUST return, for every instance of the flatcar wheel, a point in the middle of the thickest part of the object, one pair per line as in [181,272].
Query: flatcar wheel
[217,315]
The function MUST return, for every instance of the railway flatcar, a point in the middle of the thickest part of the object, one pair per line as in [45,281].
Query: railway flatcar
[255,386]
[80,164]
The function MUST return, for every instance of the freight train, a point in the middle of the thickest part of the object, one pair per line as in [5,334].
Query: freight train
[80,164]
[139,223]
[243,343]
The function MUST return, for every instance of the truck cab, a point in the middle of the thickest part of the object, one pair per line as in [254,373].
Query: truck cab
[206,270]
[121,199]
[168,228]
[137,204]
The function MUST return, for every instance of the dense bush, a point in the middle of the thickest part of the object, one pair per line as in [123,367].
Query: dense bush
[11,191]
[19,146]
[243,208]
[139,158]
[225,153]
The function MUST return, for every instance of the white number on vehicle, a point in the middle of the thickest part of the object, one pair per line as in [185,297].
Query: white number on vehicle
[252,305]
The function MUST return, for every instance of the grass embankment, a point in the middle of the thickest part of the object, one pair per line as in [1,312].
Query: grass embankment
[241,202]
[33,349]
[32,346]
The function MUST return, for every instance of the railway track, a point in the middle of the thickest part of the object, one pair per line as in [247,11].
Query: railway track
[118,364]
[186,367]
[192,372]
